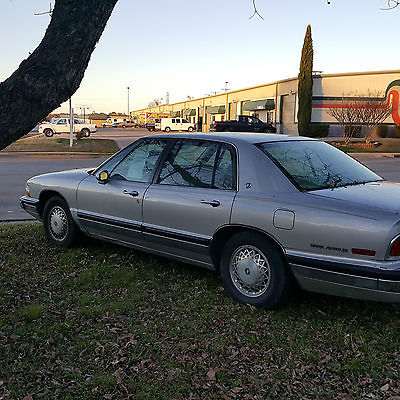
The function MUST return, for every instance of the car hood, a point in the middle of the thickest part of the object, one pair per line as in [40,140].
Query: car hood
[374,195]
[62,175]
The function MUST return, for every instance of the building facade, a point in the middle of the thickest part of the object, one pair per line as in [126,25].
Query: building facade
[277,102]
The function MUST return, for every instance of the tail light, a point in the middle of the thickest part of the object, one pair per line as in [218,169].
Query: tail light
[395,248]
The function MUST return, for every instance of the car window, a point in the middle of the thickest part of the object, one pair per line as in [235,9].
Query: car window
[192,163]
[224,169]
[185,121]
[173,120]
[62,122]
[178,120]
[316,165]
[139,164]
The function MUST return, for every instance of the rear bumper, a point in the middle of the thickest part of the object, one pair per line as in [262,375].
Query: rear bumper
[30,205]
[375,281]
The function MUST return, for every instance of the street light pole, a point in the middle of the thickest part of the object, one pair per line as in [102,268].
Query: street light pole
[128,104]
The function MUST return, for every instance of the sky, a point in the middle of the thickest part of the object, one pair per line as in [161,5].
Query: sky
[191,48]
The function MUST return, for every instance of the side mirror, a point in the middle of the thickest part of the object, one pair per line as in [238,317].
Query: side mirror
[103,177]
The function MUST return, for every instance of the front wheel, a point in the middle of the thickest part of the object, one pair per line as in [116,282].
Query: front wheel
[190,129]
[48,132]
[59,227]
[254,272]
[167,129]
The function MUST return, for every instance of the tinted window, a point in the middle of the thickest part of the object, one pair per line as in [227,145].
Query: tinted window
[185,121]
[173,120]
[199,164]
[189,163]
[316,165]
[178,120]
[62,122]
[138,166]
[224,171]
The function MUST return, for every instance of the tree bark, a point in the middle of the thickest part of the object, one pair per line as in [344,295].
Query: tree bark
[54,71]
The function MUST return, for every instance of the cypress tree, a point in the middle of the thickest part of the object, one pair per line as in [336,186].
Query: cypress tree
[305,85]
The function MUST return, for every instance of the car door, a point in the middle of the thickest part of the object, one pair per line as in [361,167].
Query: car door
[114,209]
[190,198]
[61,126]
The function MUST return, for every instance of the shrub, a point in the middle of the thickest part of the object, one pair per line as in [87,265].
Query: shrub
[382,131]
[396,131]
[318,131]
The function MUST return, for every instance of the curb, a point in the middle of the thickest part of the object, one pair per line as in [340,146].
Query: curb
[374,155]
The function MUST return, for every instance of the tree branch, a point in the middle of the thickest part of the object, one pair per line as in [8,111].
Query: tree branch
[255,11]
[54,71]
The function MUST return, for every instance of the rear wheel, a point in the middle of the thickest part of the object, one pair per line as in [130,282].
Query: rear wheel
[254,272]
[86,132]
[228,130]
[59,227]
[190,129]
[167,129]
[48,132]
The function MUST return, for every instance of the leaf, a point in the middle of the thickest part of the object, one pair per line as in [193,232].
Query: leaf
[211,374]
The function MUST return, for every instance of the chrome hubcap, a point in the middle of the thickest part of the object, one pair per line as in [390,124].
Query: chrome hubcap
[250,271]
[58,223]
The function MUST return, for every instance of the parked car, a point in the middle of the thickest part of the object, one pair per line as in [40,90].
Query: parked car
[126,124]
[242,123]
[264,211]
[174,124]
[62,125]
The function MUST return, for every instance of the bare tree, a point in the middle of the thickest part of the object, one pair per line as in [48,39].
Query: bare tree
[345,115]
[372,111]
[362,110]
[154,103]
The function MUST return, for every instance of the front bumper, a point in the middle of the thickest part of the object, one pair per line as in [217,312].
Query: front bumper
[30,205]
[366,280]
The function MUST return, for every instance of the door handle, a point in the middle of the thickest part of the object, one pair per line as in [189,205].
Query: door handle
[132,193]
[213,203]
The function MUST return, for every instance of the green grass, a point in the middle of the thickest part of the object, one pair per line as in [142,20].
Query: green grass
[57,144]
[102,321]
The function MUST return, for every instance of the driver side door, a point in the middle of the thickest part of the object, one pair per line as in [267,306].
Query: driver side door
[113,210]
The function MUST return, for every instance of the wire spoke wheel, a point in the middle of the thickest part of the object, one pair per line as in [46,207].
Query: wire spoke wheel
[250,271]
[58,223]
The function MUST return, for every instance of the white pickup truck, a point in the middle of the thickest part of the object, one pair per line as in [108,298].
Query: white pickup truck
[61,125]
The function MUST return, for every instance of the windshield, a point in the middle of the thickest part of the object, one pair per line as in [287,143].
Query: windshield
[313,165]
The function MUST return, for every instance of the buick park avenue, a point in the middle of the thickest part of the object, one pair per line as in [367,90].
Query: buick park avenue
[266,211]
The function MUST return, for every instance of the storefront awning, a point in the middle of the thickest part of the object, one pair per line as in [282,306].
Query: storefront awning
[264,104]
[191,112]
[175,114]
[215,110]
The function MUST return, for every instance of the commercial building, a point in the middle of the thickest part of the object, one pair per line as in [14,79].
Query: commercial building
[277,102]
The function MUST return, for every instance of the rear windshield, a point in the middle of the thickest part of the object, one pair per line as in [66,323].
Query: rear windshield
[313,165]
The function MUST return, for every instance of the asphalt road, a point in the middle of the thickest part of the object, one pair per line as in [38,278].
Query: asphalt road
[15,170]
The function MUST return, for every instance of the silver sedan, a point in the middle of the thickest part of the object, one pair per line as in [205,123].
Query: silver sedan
[266,211]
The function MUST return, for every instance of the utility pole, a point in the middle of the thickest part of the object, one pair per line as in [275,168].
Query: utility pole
[225,89]
[71,123]
[128,104]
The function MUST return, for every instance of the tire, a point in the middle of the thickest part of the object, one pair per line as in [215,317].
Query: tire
[228,130]
[167,129]
[190,129]
[48,132]
[267,130]
[59,227]
[241,259]
[85,132]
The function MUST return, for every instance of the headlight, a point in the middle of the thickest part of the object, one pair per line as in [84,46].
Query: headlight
[27,192]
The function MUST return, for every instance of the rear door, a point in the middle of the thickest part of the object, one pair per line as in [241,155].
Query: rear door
[191,197]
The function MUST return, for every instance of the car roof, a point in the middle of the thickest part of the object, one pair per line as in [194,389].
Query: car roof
[234,137]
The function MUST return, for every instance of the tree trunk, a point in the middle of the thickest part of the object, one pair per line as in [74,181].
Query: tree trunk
[54,71]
